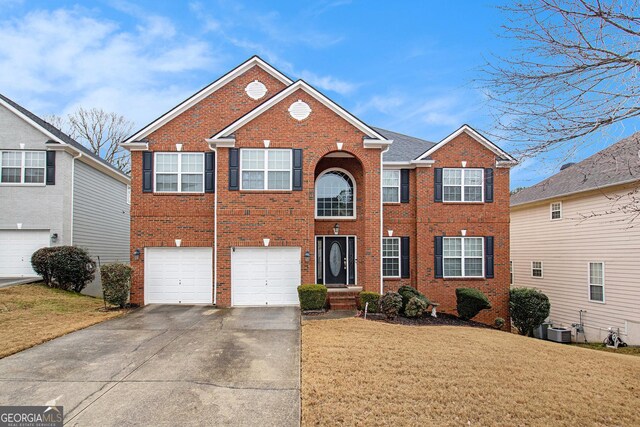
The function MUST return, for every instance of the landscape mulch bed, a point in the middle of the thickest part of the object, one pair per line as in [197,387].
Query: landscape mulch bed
[443,319]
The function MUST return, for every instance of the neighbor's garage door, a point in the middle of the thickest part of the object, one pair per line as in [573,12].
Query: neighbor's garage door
[265,276]
[16,248]
[178,276]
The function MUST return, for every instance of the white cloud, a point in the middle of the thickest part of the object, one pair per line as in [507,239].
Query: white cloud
[331,83]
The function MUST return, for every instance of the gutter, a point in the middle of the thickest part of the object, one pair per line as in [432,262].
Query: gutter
[215,228]
[73,179]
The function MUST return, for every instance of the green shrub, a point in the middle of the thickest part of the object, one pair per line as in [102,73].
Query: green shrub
[470,302]
[373,298]
[312,297]
[528,309]
[390,304]
[499,322]
[408,292]
[116,283]
[64,267]
[416,307]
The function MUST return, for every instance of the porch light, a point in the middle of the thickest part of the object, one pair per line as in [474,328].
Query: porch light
[266,242]
[336,229]
[136,254]
[307,256]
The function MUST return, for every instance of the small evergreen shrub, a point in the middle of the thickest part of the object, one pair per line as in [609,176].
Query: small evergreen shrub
[416,307]
[64,267]
[470,302]
[312,297]
[390,304]
[528,309]
[499,322]
[41,263]
[408,292]
[116,283]
[373,298]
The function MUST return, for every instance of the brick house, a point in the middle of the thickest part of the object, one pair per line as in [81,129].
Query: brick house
[256,184]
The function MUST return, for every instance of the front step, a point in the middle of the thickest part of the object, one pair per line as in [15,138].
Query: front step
[343,299]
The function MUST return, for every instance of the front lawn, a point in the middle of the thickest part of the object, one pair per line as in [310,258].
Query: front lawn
[33,314]
[357,372]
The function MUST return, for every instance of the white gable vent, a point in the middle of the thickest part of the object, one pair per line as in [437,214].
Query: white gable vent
[299,110]
[256,89]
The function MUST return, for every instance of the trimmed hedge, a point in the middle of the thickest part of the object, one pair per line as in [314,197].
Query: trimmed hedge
[116,283]
[312,297]
[64,267]
[373,298]
[528,309]
[416,307]
[408,292]
[390,304]
[470,302]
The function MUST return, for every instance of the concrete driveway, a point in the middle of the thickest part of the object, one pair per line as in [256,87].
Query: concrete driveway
[167,365]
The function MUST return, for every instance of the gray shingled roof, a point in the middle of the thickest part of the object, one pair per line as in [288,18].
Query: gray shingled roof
[58,133]
[616,164]
[404,147]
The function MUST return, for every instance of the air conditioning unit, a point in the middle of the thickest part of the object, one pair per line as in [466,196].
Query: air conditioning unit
[562,335]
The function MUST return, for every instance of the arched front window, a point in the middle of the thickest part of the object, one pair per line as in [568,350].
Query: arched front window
[335,195]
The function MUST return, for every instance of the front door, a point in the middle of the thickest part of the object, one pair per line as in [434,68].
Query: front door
[335,261]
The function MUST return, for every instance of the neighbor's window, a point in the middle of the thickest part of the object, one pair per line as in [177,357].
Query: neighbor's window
[462,185]
[335,195]
[179,172]
[596,281]
[536,269]
[128,194]
[556,210]
[391,257]
[391,186]
[22,167]
[265,169]
[463,256]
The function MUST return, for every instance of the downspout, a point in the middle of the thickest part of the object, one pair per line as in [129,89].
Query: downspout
[215,227]
[381,217]
[73,178]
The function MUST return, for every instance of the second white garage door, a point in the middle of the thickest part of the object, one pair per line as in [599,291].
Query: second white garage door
[178,276]
[265,276]
[16,248]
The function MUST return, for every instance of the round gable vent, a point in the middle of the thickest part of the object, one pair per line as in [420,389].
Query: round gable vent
[256,89]
[299,110]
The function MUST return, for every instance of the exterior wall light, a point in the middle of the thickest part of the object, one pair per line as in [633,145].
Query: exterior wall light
[336,229]
[136,254]
[54,237]
[307,256]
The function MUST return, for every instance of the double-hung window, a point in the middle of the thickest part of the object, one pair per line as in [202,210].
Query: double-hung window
[536,269]
[596,281]
[462,185]
[265,169]
[391,257]
[556,210]
[391,186]
[463,256]
[22,167]
[179,172]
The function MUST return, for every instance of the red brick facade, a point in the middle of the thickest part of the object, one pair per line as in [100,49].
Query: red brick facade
[245,218]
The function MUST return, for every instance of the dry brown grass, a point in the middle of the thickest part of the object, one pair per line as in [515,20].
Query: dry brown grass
[357,372]
[33,314]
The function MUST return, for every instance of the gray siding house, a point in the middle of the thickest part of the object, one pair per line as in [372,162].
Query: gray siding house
[54,191]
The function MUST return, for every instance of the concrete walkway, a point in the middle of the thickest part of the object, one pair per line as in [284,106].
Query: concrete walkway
[167,365]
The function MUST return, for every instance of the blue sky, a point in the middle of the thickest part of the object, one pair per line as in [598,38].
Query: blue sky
[404,66]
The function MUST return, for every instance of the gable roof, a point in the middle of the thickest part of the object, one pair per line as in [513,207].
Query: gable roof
[55,134]
[206,91]
[404,148]
[616,164]
[302,85]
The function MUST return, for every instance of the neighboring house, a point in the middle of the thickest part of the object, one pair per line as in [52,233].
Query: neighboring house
[54,191]
[256,184]
[574,237]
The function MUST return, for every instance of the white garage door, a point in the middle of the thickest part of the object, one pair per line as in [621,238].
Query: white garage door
[265,276]
[178,276]
[16,248]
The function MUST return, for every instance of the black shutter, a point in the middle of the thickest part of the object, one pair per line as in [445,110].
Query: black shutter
[488,257]
[404,258]
[209,172]
[438,267]
[234,169]
[297,169]
[147,172]
[488,185]
[437,189]
[51,168]
[404,186]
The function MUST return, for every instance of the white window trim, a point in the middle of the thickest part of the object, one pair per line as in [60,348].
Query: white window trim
[399,257]
[354,196]
[23,169]
[128,194]
[179,172]
[541,276]
[589,284]
[391,186]
[462,186]
[463,257]
[266,169]
[551,211]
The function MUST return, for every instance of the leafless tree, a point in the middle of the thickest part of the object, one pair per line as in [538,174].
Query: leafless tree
[100,131]
[573,72]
